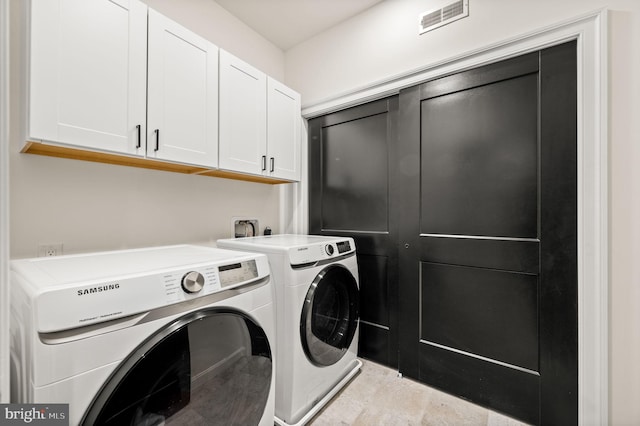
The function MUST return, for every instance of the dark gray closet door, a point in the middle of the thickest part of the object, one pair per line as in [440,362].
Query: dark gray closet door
[351,190]
[488,247]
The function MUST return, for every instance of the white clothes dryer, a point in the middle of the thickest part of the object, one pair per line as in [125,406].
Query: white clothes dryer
[317,292]
[167,335]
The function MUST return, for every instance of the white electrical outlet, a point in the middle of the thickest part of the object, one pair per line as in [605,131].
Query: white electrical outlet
[48,250]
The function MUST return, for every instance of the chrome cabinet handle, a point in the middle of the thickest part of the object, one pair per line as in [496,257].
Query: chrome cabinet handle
[157,132]
[264,163]
[273,165]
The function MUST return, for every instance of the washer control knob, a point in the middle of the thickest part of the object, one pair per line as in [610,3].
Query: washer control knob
[329,249]
[193,282]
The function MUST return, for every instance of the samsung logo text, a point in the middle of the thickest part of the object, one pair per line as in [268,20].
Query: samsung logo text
[98,289]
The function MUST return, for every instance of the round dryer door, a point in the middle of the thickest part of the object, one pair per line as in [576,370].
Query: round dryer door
[329,315]
[208,367]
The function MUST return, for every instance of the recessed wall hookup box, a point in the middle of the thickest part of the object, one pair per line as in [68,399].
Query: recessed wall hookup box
[245,228]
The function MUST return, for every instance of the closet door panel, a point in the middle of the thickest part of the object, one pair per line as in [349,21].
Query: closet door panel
[352,168]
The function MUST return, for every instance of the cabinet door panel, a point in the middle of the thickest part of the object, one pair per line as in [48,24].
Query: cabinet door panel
[88,73]
[182,107]
[243,116]
[283,131]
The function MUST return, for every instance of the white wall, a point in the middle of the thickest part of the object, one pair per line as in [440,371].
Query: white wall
[90,206]
[4,200]
[383,42]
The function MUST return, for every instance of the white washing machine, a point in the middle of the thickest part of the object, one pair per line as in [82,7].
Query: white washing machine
[316,282]
[166,335]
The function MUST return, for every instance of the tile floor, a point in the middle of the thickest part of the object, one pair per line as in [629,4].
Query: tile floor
[376,396]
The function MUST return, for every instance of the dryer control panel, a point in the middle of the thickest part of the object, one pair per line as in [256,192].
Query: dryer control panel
[301,250]
[320,251]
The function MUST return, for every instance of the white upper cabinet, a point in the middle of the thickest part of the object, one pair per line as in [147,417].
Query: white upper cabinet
[183,94]
[116,77]
[87,84]
[243,116]
[283,131]
[259,122]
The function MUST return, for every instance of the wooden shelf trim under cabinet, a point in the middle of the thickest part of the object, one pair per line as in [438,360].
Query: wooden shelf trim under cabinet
[59,151]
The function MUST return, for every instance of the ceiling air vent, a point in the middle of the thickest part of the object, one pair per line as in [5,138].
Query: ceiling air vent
[436,18]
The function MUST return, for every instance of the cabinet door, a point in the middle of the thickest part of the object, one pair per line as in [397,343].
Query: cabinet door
[88,73]
[183,94]
[283,131]
[243,116]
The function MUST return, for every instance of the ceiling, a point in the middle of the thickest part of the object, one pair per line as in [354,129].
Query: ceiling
[286,23]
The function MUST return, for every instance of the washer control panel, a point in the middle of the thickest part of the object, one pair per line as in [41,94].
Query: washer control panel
[182,285]
[130,282]
[235,273]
